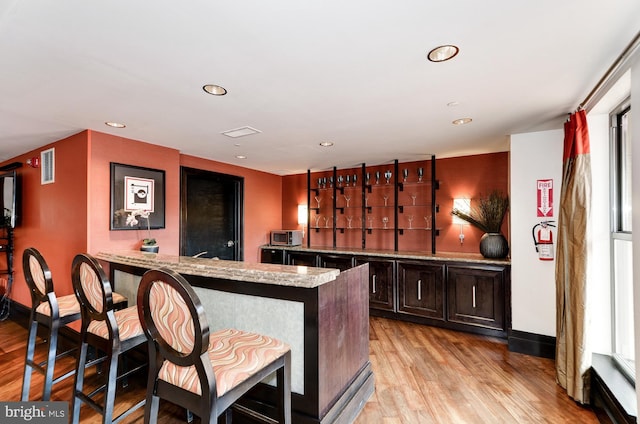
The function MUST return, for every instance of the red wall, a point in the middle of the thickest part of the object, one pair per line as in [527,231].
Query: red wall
[465,176]
[54,216]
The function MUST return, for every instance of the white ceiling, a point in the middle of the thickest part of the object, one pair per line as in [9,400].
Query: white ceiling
[352,72]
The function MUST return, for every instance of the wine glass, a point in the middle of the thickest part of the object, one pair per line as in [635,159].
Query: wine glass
[319,182]
[349,218]
[354,179]
[387,175]
[347,180]
[420,173]
[324,182]
[340,180]
[367,178]
[377,177]
[386,197]
[326,222]
[318,199]
[370,222]
[413,198]
[347,198]
[405,174]
[427,219]
[318,218]
[410,219]
[385,220]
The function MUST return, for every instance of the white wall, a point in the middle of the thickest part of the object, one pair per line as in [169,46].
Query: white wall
[534,156]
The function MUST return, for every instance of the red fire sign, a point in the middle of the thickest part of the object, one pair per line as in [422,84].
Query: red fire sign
[545,198]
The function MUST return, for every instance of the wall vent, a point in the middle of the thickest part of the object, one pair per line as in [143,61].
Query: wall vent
[48,163]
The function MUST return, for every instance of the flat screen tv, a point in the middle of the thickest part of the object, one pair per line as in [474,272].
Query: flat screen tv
[9,189]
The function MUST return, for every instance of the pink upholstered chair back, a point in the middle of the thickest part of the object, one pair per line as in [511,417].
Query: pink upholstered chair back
[92,287]
[37,275]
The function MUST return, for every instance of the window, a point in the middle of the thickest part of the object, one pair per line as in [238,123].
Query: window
[622,260]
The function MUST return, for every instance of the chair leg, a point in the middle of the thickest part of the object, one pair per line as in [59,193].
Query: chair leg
[151,408]
[28,367]
[112,385]
[283,379]
[79,382]
[51,362]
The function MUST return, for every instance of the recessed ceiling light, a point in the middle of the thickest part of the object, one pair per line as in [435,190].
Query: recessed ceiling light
[241,157]
[214,89]
[453,104]
[115,124]
[326,143]
[442,53]
[461,121]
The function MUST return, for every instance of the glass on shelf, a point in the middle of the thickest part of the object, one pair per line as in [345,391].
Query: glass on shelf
[420,174]
[347,180]
[410,219]
[385,197]
[413,198]
[377,177]
[318,218]
[428,221]
[405,174]
[355,179]
[387,176]
[318,199]
[385,220]
[349,219]
[347,198]
[370,222]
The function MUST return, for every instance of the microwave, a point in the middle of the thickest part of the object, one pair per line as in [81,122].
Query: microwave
[286,237]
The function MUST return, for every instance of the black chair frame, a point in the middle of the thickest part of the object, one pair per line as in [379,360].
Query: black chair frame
[114,347]
[208,406]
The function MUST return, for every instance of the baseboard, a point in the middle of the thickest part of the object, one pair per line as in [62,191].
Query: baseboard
[532,344]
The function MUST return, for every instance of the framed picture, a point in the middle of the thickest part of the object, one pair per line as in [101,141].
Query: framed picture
[135,188]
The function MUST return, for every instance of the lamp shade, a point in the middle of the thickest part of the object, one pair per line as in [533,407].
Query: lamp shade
[302,214]
[463,205]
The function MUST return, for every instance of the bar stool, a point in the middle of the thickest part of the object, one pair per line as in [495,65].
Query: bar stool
[51,312]
[114,332]
[201,371]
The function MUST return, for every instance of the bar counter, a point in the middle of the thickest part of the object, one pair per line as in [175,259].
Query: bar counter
[323,314]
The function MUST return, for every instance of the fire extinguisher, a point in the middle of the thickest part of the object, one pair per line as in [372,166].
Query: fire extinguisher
[543,240]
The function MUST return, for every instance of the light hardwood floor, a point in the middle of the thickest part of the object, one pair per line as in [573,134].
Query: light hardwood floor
[422,375]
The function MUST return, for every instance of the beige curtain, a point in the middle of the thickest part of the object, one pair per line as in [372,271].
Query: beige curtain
[573,356]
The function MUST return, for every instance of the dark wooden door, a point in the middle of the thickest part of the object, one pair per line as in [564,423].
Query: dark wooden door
[211,214]
[380,283]
[421,290]
[476,296]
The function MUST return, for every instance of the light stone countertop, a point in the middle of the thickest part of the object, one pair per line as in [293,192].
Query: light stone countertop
[281,275]
[390,254]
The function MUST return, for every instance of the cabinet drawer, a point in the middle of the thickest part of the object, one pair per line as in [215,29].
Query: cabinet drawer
[421,290]
[340,262]
[302,259]
[476,296]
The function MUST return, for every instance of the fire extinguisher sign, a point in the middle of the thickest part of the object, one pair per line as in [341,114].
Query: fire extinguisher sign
[545,198]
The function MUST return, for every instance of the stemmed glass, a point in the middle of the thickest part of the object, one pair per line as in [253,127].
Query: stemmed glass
[318,220]
[340,180]
[413,198]
[370,222]
[387,176]
[377,177]
[420,173]
[410,219]
[330,181]
[318,199]
[367,178]
[405,174]
[320,182]
[349,218]
[385,219]
[347,198]
[428,221]
[354,179]
[386,197]
[326,222]
[347,180]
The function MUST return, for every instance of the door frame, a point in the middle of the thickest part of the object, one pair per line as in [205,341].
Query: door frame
[238,185]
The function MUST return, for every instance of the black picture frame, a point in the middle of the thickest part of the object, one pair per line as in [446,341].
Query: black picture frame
[146,191]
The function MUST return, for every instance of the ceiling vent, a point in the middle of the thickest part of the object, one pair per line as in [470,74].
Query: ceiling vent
[240,132]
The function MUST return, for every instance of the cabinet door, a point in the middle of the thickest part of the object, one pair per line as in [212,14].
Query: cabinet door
[302,259]
[336,261]
[380,283]
[272,256]
[476,296]
[421,289]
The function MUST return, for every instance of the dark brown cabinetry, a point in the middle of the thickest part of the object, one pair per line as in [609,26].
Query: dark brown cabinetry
[461,294]
[421,289]
[476,296]
[381,287]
